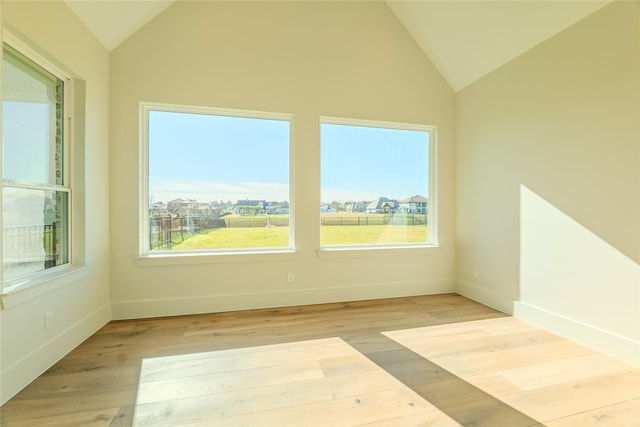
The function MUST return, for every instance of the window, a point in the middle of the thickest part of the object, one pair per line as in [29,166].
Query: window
[35,189]
[215,180]
[376,184]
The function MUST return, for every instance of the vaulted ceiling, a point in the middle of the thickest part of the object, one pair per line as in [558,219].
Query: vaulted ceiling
[465,39]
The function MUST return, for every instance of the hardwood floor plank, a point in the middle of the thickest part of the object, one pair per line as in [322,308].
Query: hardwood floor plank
[532,371]
[100,418]
[621,414]
[556,372]
[222,382]
[341,365]
[460,363]
[354,375]
[25,407]
[575,397]
[424,419]
[350,411]
[85,381]
[259,399]
[447,392]
[492,412]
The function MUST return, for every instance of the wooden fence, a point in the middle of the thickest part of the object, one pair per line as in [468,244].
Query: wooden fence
[166,231]
[374,219]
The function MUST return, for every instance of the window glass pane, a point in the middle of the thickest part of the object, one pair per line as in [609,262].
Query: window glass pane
[217,182]
[34,230]
[374,185]
[35,206]
[32,102]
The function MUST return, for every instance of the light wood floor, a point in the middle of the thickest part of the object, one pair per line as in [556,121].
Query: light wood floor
[419,361]
[553,380]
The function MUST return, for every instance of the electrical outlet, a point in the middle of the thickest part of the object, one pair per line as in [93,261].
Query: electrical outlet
[290,277]
[49,320]
[476,273]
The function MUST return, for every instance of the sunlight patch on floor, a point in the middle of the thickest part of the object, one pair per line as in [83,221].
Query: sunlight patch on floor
[307,383]
[542,375]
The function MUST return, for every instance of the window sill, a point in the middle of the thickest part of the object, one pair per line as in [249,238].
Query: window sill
[41,284]
[186,258]
[375,251]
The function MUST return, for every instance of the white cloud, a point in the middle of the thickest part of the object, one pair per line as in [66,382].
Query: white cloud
[204,191]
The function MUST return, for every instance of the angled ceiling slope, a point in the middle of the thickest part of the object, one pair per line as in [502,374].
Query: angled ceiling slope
[465,39]
[114,21]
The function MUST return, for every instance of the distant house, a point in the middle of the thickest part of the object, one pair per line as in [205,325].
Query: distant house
[158,209]
[249,207]
[382,205]
[204,209]
[327,208]
[222,207]
[183,207]
[414,205]
[356,206]
[277,208]
[174,205]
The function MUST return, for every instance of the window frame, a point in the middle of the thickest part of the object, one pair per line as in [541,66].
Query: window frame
[432,185]
[63,273]
[145,255]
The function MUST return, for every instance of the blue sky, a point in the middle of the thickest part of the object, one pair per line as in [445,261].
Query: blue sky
[26,140]
[207,158]
[364,163]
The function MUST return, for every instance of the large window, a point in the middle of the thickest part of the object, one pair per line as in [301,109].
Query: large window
[35,188]
[376,184]
[215,180]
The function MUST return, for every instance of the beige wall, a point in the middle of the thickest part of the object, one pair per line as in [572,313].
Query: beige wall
[344,59]
[82,306]
[548,156]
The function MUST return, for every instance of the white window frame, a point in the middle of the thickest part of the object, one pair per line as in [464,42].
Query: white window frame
[146,256]
[64,274]
[432,217]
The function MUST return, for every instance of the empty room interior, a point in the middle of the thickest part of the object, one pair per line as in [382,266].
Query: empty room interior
[503,291]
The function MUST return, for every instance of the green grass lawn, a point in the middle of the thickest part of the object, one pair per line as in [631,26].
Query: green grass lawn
[274,237]
[372,234]
[237,238]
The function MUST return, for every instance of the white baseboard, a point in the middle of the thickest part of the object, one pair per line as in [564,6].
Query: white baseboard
[485,296]
[279,298]
[601,340]
[17,376]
